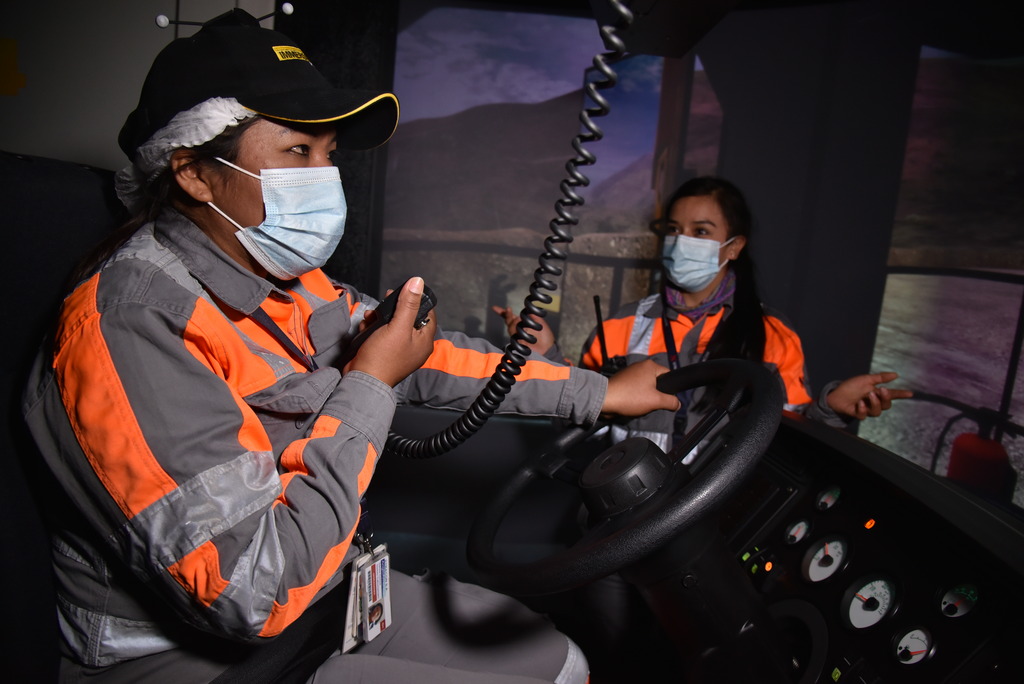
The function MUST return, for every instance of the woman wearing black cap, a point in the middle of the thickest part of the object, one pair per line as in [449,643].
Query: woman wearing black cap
[191,407]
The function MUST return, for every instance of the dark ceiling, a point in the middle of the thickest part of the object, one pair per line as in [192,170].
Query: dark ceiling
[984,29]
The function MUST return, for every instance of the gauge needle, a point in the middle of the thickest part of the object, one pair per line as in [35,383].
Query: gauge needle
[870,602]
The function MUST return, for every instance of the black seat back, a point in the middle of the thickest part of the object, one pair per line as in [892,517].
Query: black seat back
[53,213]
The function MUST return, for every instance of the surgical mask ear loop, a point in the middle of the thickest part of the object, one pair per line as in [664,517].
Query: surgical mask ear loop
[217,209]
[722,246]
[239,168]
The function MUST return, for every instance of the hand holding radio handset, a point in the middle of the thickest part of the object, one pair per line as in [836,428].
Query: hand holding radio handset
[397,336]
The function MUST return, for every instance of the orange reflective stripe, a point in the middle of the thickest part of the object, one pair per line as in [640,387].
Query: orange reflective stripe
[318,283]
[93,396]
[283,614]
[199,573]
[616,332]
[366,473]
[710,325]
[281,313]
[468,363]
[782,347]
[230,359]
[291,458]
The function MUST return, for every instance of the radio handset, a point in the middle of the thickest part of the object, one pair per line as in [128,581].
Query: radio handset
[384,312]
[609,365]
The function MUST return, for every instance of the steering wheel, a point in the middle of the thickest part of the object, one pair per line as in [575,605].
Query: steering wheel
[638,497]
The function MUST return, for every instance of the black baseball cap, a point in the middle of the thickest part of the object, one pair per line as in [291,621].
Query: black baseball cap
[233,56]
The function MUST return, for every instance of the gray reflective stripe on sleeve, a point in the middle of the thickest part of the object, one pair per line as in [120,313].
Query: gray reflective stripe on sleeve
[576,669]
[212,503]
[254,582]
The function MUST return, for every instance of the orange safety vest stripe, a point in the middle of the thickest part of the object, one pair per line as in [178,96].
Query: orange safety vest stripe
[113,443]
[468,363]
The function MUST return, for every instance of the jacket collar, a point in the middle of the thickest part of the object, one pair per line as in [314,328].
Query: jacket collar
[222,276]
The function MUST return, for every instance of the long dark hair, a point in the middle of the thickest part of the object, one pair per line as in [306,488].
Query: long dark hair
[158,193]
[741,334]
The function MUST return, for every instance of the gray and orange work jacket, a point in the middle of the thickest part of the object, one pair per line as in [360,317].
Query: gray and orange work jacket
[636,332]
[214,478]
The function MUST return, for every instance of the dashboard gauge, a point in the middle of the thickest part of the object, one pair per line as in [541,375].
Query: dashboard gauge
[914,646]
[827,498]
[797,531]
[959,600]
[867,602]
[825,558]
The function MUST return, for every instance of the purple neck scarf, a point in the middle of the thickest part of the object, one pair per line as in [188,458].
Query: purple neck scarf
[674,297]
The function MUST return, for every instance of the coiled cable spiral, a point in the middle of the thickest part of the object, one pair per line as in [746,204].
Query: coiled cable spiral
[515,353]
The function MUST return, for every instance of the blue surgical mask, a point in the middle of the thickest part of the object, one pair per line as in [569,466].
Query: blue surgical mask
[305,219]
[691,263]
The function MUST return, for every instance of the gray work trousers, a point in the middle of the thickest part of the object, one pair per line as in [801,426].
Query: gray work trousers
[443,632]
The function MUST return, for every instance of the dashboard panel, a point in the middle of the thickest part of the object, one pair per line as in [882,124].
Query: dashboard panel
[877,570]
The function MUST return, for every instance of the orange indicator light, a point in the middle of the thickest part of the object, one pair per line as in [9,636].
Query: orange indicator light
[869,524]
[768,566]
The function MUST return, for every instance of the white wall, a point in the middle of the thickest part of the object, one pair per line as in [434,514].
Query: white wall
[83,63]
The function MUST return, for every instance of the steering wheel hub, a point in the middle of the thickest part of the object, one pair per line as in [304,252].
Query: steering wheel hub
[623,476]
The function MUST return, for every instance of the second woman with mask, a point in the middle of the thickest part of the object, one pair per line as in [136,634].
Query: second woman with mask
[708,307]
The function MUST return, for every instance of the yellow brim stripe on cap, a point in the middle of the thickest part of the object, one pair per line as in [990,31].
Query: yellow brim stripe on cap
[380,97]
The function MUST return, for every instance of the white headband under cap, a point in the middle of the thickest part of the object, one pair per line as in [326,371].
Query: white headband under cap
[189,128]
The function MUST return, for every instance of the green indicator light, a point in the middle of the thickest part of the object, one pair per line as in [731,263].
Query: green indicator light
[753,569]
[836,674]
[745,557]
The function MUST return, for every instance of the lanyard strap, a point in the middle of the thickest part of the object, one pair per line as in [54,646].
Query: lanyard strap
[670,340]
[268,324]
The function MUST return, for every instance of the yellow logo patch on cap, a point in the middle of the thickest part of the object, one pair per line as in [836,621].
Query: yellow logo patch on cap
[285,52]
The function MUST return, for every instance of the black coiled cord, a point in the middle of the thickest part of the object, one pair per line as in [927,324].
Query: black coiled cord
[511,364]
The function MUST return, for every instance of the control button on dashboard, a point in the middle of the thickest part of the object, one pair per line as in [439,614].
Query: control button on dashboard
[826,557]
[868,601]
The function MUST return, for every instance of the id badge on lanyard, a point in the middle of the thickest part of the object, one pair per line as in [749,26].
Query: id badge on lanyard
[369,590]
[369,598]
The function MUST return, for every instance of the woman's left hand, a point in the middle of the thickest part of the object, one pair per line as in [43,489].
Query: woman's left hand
[860,396]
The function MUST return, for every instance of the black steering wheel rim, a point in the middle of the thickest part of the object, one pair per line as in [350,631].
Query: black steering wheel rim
[651,524]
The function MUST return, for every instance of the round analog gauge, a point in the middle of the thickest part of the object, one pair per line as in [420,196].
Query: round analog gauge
[959,600]
[827,498]
[825,558]
[868,601]
[797,531]
[914,646]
